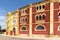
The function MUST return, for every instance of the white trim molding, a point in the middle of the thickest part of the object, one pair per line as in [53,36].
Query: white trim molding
[51,17]
[22,27]
[30,20]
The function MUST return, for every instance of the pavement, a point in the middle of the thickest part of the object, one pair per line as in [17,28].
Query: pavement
[6,37]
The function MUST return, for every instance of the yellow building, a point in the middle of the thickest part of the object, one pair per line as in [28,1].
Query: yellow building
[12,23]
[8,22]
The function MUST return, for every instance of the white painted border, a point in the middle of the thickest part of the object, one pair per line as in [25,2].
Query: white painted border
[51,17]
[23,30]
[40,30]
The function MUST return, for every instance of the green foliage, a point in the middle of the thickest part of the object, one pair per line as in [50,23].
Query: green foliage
[0,27]
[1,32]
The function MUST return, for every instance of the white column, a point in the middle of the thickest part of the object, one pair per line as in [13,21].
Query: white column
[30,20]
[51,17]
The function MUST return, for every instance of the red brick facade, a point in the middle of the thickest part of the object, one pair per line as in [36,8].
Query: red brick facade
[24,23]
[46,21]
[40,20]
[56,19]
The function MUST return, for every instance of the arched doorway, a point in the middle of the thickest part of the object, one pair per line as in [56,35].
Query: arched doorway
[14,31]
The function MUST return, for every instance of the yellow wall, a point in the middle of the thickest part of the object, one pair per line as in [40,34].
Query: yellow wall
[8,22]
[11,18]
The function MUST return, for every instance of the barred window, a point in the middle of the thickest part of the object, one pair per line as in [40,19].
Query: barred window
[23,19]
[40,28]
[23,28]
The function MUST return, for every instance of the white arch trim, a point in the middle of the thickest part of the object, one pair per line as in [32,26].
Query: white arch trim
[40,30]
[22,27]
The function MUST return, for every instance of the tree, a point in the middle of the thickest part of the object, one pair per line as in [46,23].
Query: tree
[4,30]
[0,27]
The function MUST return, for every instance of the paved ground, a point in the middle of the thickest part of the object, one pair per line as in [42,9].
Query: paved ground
[5,37]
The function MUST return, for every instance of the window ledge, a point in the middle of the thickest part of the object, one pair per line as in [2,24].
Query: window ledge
[24,23]
[23,30]
[40,21]
[40,10]
[40,30]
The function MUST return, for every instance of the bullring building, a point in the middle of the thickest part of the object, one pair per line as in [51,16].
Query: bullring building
[41,19]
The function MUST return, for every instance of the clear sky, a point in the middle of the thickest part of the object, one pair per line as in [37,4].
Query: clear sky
[11,5]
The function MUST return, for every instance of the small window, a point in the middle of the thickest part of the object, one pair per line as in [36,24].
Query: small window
[43,17]
[39,17]
[43,6]
[40,28]
[23,20]
[23,11]
[39,7]
[23,28]
[36,17]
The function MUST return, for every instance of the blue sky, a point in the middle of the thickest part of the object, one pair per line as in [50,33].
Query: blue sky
[11,5]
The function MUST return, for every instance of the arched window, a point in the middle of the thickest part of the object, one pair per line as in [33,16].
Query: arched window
[39,17]
[14,31]
[40,28]
[43,17]
[43,6]
[23,19]
[23,28]
[37,8]
[36,17]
